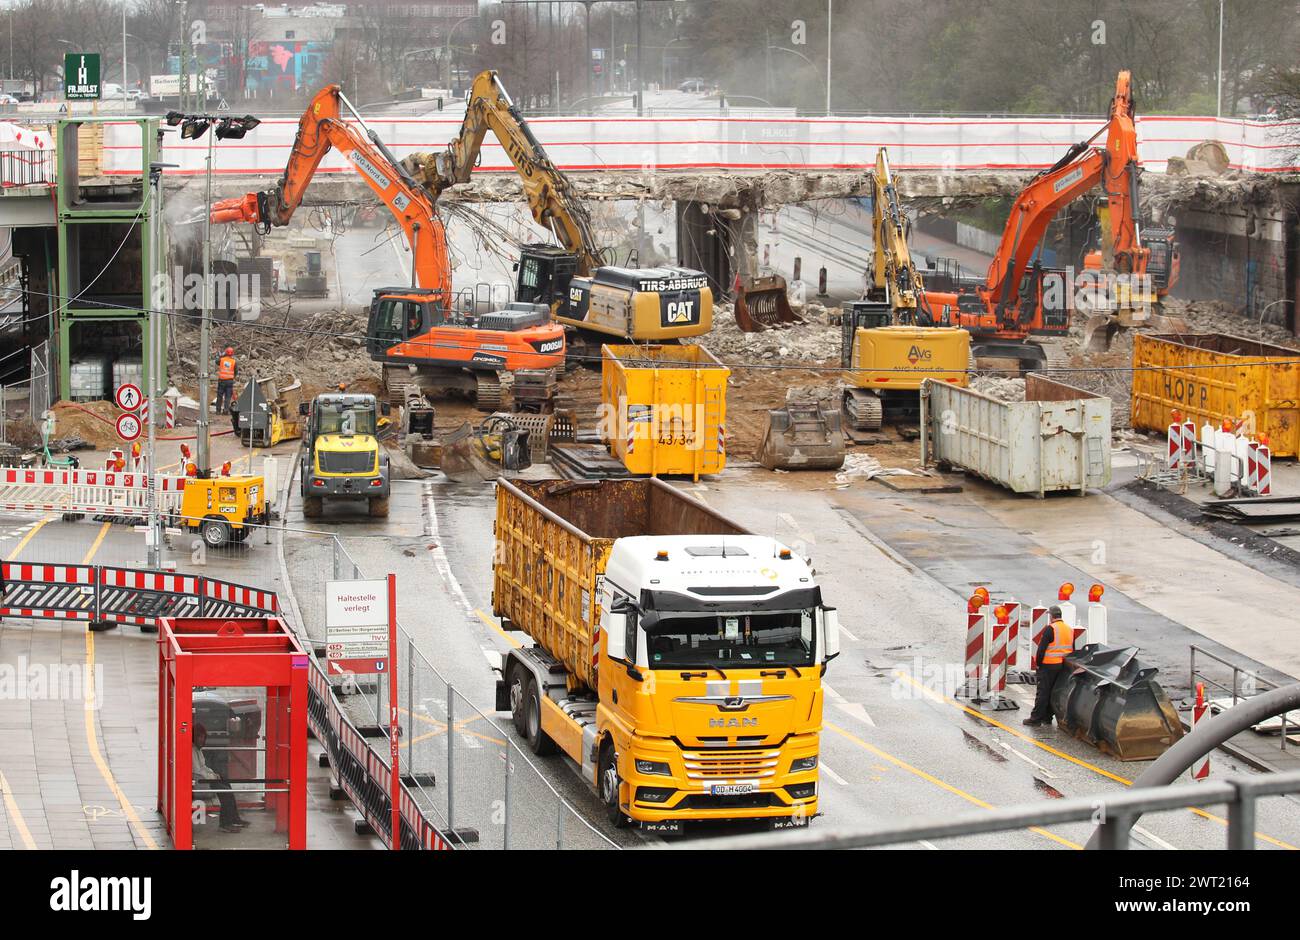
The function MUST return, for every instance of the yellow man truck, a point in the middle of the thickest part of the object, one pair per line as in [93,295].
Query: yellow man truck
[677,658]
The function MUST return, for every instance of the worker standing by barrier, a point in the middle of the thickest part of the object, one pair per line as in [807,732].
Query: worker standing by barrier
[226,368]
[1056,644]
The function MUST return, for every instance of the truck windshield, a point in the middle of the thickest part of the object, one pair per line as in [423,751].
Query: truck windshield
[339,419]
[735,640]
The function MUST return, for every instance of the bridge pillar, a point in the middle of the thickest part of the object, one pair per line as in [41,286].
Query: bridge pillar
[721,242]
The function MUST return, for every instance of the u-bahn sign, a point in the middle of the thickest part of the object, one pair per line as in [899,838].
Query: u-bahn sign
[81,76]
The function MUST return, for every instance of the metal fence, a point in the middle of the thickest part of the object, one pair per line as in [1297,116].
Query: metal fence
[460,765]
[1241,683]
[20,166]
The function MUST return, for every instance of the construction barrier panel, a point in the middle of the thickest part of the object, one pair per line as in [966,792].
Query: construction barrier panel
[112,492]
[362,773]
[106,594]
[1109,699]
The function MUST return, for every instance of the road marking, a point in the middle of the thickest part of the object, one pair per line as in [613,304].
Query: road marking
[925,844]
[833,775]
[1069,757]
[482,615]
[943,785]
[1142,831]
[36,527]
[440,561]
[857,711]
[845,631]
[1025,757]
[92,741]
[16,814]
[99,540]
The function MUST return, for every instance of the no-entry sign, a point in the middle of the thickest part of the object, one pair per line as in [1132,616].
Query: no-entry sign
[128,396]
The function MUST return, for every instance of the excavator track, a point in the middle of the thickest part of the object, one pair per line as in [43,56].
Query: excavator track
[864,409]
[395,379]
[489,393]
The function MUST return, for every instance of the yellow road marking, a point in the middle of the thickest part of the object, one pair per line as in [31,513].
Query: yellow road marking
[930,778]
[493,624]
[93,743]
[16,814]
[99,540]
[441,727]
[27,538]
[935,696]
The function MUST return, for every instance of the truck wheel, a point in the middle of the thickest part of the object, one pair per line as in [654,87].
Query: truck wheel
[538,741]
[609,788]
[379,507]
[215,532]
[519,683]
[312,507]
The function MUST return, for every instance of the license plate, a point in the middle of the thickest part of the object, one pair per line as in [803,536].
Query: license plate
[733,789]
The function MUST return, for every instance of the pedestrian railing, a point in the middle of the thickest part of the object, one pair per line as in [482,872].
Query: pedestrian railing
[1242,684]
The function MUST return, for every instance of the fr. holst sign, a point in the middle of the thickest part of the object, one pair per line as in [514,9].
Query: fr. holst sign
[81,76]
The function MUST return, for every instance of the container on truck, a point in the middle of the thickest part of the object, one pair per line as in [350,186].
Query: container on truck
[677,658]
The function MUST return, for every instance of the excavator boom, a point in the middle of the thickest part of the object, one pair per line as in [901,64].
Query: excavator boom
[322,129]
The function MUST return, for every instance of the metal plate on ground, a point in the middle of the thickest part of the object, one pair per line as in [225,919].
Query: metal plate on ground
[919,484]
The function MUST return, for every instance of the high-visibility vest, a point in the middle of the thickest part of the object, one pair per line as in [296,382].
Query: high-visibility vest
[1061,646]
[226,368]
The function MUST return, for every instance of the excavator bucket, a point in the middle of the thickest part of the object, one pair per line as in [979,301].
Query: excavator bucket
[1109,699]
[802,436]
[1099,332]
[761,302]
[474,454]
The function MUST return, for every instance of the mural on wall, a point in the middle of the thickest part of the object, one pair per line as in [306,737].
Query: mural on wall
[283,66]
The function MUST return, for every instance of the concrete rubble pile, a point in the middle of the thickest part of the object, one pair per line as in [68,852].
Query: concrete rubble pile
[999,387]
[817,339]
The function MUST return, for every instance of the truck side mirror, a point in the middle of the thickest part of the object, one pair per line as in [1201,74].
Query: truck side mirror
[830,633]
[616,636]
[302,408]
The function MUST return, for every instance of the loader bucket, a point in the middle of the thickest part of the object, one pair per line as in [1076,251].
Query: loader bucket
[762,303]
[1109,699]
[802,436]
[1099,332]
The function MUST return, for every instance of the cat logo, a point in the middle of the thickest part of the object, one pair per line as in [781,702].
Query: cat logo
[916,354]
[681,311]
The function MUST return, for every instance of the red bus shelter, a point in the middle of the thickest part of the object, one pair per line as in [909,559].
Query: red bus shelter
[247,678]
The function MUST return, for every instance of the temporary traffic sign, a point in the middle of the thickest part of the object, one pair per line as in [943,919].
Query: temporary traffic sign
[128,396]
[128,426]
[356,626]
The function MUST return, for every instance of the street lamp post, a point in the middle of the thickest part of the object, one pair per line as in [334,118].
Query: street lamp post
[447,53]
[830,17]
[1218,94]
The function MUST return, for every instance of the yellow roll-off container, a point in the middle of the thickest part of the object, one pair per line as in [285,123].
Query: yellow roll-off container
[665,409]
[1216,377]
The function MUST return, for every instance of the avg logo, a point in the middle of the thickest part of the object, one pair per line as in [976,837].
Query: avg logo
[916,353]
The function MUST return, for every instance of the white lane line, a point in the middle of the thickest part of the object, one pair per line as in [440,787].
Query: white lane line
[1147,833]
[927,844]
[835,696]
[845,631]
[493,658]
[440,556]
[1025,757]
[857,711]
[833,775]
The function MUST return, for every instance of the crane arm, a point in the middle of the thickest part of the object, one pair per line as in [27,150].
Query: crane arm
[551,198]
[321,129]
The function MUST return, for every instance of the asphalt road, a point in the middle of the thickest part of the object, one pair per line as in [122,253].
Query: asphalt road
[896,746]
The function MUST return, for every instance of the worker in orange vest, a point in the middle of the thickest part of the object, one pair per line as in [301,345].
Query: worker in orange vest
[225,380]
[1056,644]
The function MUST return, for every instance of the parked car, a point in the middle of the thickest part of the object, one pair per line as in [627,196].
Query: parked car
[6,98]
[693,84]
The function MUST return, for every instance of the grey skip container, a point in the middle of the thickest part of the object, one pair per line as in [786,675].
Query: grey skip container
[1057,439]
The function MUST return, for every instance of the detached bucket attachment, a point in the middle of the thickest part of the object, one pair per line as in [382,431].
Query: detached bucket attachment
[762,303]
[802,436]
[1109,699]
[1099,332]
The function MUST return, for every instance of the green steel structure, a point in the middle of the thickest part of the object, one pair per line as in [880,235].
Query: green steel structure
[112,248]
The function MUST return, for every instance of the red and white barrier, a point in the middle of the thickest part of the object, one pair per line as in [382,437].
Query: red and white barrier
[1098,630]
[1174,444]
[1201,769]
[169,413]
[976,618]
[1264,475]
[998,649]
[107,491]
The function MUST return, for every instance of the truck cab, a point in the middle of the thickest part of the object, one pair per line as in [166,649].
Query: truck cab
[711,657]
[341,457]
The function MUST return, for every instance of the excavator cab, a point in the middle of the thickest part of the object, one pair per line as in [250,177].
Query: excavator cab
[544,275]
[400,313]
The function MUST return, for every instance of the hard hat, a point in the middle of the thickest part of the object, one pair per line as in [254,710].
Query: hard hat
[230,350]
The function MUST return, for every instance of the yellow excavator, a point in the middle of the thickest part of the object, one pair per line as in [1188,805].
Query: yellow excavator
[597,301]
[891,340]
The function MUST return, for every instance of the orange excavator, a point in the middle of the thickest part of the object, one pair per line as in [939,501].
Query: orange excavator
[413,331]
[1020,297]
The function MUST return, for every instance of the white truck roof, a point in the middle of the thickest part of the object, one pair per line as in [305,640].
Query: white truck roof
[712,561]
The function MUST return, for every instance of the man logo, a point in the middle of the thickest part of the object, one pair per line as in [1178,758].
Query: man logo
[733,722]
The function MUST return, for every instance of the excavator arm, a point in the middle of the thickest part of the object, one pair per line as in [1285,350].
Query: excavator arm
[322,129]
[893,272]
[551,199]
[1114,166]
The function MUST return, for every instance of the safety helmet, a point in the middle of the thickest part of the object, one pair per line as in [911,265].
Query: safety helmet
[230,350]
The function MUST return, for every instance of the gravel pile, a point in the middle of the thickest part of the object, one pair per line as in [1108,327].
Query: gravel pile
[817,339]
[999,387]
